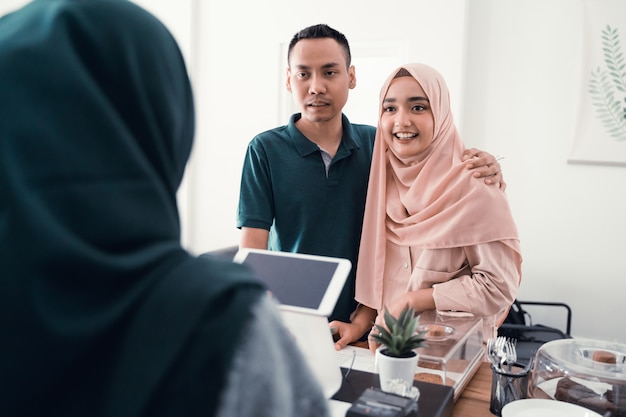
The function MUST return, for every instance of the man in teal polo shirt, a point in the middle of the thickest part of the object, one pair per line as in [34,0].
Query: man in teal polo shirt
[303,185]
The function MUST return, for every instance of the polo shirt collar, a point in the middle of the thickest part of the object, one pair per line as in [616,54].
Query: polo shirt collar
[307,147]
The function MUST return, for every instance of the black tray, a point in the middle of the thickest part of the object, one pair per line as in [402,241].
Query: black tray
[435,400]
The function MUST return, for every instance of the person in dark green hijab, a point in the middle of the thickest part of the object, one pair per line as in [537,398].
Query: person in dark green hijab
[103,313]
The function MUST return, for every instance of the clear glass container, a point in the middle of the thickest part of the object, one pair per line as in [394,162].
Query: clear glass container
[590,373]
[454,352]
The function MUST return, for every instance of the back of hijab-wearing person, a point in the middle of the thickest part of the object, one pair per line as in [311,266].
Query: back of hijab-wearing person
[103,312]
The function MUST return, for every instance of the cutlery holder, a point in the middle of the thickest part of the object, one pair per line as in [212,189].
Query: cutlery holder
[507,387]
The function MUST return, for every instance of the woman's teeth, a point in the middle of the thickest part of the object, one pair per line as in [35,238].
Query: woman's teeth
[405,135]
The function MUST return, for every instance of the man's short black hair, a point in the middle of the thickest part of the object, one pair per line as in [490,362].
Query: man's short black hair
[320,31]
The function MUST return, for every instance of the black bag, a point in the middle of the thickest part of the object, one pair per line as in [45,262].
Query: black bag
[517,315]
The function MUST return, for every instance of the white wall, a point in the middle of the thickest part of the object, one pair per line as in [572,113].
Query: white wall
[524,83]
[7,6]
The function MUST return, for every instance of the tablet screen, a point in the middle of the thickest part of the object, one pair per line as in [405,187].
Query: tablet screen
[303,281]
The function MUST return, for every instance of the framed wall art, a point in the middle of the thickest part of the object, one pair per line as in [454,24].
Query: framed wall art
[601,134]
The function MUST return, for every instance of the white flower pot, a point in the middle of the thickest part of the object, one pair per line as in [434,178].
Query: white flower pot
[391,368]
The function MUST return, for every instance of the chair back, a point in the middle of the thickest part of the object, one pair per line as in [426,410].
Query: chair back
[519,325]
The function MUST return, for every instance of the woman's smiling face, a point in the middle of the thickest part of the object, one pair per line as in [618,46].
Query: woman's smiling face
[406,121]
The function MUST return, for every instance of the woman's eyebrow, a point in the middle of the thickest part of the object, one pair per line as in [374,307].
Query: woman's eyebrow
[411,99]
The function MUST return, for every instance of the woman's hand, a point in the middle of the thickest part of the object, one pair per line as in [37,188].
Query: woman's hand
[420,300]
[380,321]
[484,165]
[373,345]
[395,309]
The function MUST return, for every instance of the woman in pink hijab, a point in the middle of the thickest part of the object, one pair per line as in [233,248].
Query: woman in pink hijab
[433,237]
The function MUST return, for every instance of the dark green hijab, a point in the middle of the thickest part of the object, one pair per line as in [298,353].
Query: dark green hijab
[102,311]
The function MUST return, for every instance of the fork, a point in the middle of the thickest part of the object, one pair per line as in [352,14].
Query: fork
[491,352]
[500,347]
[496,353]
[510,354]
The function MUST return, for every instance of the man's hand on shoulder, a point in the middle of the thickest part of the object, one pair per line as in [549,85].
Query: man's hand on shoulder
[484,165]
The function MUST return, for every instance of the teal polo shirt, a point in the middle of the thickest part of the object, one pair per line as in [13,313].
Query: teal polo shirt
[285,189]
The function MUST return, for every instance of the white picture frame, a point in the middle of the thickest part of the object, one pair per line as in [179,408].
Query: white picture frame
[600,137]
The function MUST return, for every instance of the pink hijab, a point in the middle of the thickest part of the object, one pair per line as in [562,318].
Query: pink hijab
[430,201]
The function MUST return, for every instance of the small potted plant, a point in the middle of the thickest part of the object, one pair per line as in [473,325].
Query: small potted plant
[396,358]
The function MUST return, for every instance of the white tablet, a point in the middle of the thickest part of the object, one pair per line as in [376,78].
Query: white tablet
[304,283]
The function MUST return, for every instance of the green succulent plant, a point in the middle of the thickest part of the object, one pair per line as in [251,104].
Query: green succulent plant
[399,335]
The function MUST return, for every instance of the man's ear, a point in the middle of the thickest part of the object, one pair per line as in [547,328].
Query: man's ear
[352,77]
[288,80]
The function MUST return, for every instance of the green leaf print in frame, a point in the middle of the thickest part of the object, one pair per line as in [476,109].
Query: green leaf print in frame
[607,86]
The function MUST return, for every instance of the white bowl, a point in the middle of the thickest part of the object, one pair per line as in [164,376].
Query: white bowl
[537,407]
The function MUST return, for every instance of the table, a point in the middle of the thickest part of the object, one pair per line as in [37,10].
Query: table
[475,398]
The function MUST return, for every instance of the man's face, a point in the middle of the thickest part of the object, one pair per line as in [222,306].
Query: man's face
[319,79]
